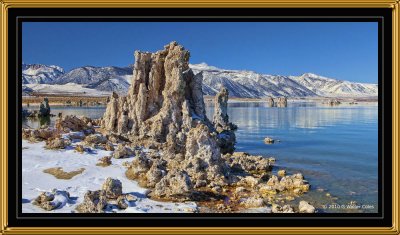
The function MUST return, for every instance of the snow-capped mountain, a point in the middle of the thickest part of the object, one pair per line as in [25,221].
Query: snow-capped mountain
[240,83]
[248,84]
[323,86]
[40,74]
[99,78]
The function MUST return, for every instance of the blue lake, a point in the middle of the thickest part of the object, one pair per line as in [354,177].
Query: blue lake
[334,147]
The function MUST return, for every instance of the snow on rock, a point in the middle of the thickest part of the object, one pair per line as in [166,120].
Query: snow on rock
[35,158]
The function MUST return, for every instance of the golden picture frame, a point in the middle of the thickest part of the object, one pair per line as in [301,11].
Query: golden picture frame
[9,4]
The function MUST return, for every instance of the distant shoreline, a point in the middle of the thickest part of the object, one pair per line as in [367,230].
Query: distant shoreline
[74,99]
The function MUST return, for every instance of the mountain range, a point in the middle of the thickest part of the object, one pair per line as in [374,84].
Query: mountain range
[240,83]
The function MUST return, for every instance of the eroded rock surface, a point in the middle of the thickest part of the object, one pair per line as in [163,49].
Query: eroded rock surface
[44,109]
[187,156]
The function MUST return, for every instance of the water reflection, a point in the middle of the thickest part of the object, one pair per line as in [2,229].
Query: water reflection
[310,115]
[336,148]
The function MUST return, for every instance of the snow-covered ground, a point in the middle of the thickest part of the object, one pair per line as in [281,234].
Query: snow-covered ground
[67,89]
[35,159]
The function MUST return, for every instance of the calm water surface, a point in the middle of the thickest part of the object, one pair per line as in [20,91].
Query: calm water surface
[335,148]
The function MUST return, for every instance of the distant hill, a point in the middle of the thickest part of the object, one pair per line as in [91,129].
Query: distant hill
[240,83]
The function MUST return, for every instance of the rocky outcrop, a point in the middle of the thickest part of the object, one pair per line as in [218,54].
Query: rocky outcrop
[226,135]
[164,109]
[57,143]
[334,102]
[73,123]
[187,156]
[39,134]
[93,202]
[44,109]
[112,188]
[282,102]
[270,101]
[110,194]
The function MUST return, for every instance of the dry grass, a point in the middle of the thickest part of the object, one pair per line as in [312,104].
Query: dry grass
[59,173]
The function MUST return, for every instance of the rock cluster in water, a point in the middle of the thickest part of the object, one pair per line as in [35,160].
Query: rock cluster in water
[280,102]
[177,151]
[43,112]
[190,155]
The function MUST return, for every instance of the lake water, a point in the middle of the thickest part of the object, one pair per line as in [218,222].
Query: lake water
[334,147]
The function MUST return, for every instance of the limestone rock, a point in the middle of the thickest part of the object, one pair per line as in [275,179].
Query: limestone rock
[104,161]
[305,207]
[39,134]
[122,151]
[270,101]
[112,188]
[122,203]
[241,161]
[282,102]
[93,202]
[226,135]
[253,202]
[72,123]
[176,185]
[294,183]
[44,109]
[95,139]
[282,173]
[51,200]
[57,143]
[268,140]
[282,209]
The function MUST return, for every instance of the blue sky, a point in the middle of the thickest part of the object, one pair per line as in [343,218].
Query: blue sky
[341,50]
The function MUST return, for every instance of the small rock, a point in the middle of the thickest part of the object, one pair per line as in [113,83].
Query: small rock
[269,140]
[279,209]
[282,173]
[109,146]
[112,188]
[79,148]
[104,161]
[122,152]
[121,202]
[253,202]
[57,143]
[93,202]
[130,198]
[305,207]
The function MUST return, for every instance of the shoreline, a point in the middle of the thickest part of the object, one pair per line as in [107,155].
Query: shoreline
[73,100]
